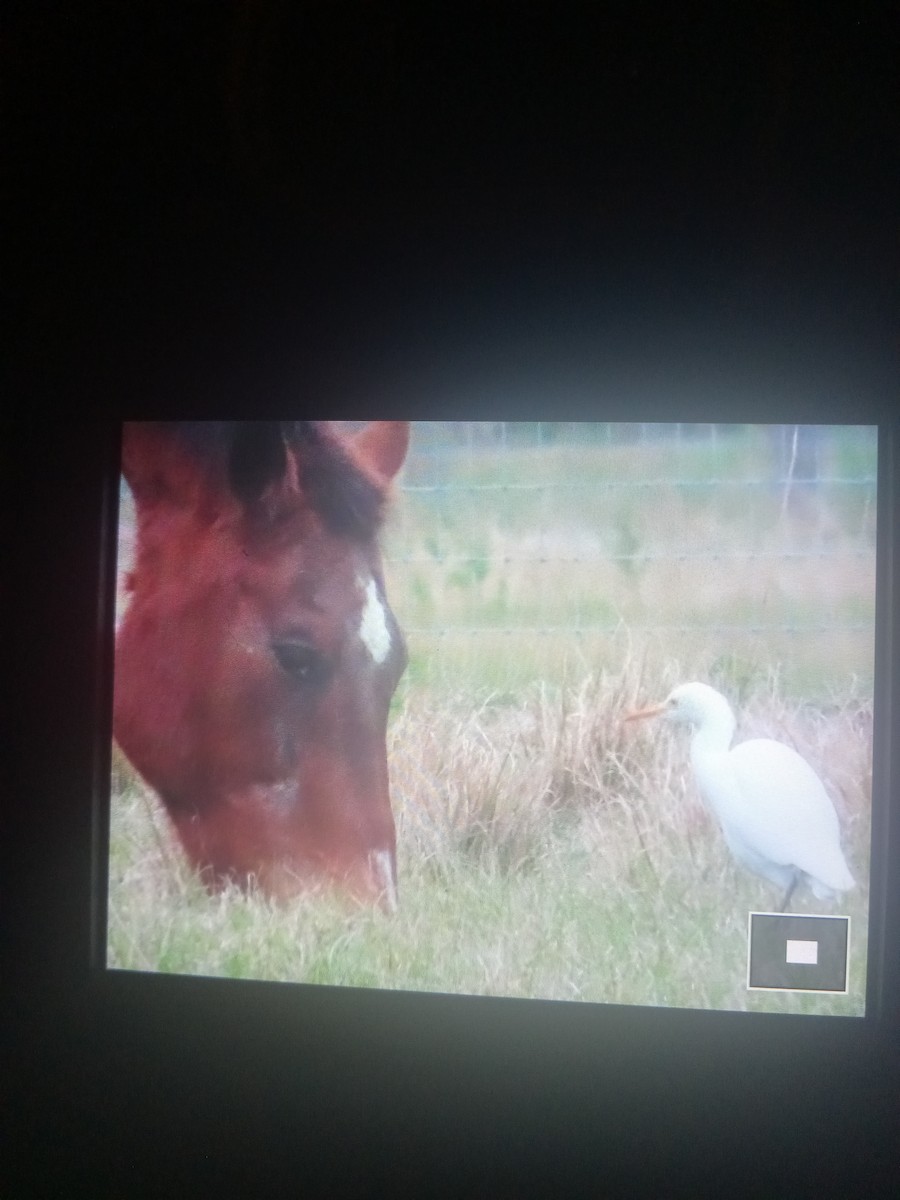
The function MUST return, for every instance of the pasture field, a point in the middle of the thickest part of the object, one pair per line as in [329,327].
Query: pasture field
[545,850]
[546,563]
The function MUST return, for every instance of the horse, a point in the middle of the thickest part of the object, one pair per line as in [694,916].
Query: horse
[258,655]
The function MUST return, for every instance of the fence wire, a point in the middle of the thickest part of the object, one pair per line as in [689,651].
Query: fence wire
[515,548]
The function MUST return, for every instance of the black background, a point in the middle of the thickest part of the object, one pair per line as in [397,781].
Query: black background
[347,210]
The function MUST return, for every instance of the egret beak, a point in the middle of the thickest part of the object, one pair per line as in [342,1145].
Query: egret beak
[654,710]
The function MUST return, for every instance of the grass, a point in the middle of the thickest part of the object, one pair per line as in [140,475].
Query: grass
[543,851]
[588,538]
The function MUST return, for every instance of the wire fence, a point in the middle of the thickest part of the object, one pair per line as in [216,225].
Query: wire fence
[525,550]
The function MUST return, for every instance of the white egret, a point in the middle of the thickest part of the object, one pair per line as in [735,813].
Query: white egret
[773,809]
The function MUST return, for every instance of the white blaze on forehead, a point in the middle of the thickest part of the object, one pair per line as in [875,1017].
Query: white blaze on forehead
[373,626]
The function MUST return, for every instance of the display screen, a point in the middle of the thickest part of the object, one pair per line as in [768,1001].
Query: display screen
[560,710]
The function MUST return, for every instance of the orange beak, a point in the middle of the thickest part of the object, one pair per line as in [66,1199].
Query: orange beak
[654,710]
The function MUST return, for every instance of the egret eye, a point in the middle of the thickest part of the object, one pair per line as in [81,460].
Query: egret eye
[301,661]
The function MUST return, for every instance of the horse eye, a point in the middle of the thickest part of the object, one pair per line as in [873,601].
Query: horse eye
[299,660]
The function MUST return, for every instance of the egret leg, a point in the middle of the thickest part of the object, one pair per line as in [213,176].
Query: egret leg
[795,879]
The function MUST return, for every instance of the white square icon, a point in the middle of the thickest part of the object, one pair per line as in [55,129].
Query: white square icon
[802,952]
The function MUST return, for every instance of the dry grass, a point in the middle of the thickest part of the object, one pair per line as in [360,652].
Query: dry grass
[544,851]
[493,781]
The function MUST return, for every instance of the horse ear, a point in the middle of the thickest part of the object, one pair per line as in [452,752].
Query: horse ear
[153,464]
[136,452]
[381,447]
[257,458]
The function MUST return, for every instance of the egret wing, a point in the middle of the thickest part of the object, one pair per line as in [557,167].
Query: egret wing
[785,813]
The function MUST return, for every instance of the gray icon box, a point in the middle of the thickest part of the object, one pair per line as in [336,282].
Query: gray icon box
[789,952]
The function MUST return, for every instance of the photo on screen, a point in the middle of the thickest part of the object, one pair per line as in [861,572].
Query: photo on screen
[521,709]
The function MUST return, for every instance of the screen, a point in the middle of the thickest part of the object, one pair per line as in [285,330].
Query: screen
[555,710]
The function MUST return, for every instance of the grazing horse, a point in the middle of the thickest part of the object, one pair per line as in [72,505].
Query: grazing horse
[257,657]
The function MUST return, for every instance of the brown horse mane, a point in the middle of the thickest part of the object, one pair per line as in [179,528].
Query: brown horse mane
[251,455]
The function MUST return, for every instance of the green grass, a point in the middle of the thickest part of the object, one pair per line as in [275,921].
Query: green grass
[585,537]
